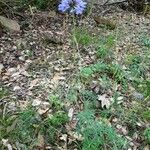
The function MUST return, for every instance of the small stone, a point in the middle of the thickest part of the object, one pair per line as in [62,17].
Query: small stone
[11,71]
[118,126]
[1,67]
[71,113]
[28,61]
[46,103]
[138,96]
[56,69]
[131,144]
[25,73]
[36,102]
[5,78]
[124,130]
[27,64]
[31,43]
[9,24]
[97,89]
[54,38]
[14,47]
[12,106]
[17,88]
[22,58]
[114,120]
[42,111]
[16,75]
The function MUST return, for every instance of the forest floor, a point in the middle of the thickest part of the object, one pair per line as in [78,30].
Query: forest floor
[73,83]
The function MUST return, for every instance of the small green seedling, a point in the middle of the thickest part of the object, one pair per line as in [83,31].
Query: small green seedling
[147,135]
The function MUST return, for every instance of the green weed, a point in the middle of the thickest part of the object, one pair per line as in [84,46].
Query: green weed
[40,4]
[25,126]
[5,124]
[145,41]
[130,117]
[102,52]
[87,71]
[98,135]
[135,64]
[3,92]
[118,74]
[92,69]
[89,98]
[51,126]
[108,72]
[72,94]
[108,41]
[146,115]
[105,81]
[20,127]
[56,103]
[43,4]
[146,88]
[83,36]
[105,45]
[105,113]
[58,119]
[147,135]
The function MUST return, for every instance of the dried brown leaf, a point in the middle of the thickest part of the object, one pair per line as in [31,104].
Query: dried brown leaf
[33,83]
[104,100]
[70,113]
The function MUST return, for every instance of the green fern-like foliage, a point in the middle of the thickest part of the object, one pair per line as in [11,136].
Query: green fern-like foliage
[83,36]
[92,69]
[147,135]
[43,4]
[98,135]
[24,4]
[146,41]
[25,126]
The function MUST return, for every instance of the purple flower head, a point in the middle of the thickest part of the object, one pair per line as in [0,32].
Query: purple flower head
[72,6]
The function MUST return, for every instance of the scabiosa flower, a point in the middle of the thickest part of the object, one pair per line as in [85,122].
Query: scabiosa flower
[72,6]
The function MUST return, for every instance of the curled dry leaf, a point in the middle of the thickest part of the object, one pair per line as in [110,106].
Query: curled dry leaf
[1,67]
[6,143]
[33,83]
[42,111]
[11,71]
[70,113]
[76,136]
[36,102]
[104,100]
[17,88]
[64,137]
[9,147]
[57,77]
[124,130]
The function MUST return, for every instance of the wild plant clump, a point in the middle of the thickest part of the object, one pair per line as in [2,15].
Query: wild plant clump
[97,134]
[23,4]
[64,6]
